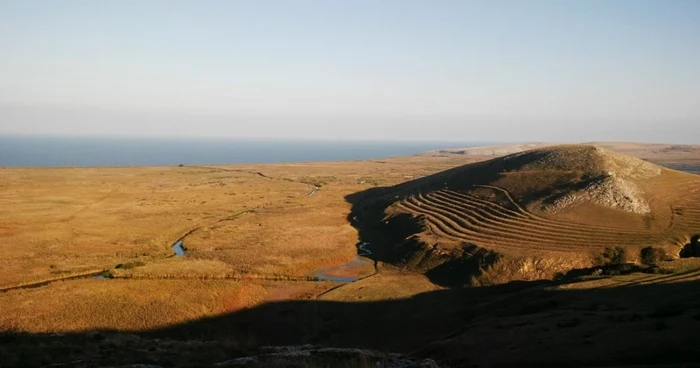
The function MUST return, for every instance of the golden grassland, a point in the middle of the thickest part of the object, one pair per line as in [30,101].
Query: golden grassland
[122,304]
[254,236]
[387,284]
[289,240]
[254,233]
[62,221]
[137,304]
[247,225]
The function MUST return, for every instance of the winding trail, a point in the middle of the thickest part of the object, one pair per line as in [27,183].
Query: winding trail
[35,284]
[313,191]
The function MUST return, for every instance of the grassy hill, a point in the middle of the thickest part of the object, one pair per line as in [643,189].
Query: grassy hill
[532,215]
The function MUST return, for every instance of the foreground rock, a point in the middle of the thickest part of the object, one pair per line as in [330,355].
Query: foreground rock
[310,356]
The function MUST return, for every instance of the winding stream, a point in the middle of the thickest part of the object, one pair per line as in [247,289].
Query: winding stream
[347,272]
[351,271]
[344,273]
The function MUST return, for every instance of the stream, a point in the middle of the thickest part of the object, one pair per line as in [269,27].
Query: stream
[177,248]
[361,266]
[344,273]
[348,272]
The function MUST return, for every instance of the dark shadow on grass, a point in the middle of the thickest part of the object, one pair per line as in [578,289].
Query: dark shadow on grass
[603,271]
[392,238]
[460,327]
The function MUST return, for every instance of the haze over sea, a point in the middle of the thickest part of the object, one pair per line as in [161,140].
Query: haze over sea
[86,151]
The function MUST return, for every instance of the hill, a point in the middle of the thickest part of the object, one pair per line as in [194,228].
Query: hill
[682,157]
[532,215]
[647,151]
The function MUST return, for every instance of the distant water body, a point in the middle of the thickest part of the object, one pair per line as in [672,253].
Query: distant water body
[60,151]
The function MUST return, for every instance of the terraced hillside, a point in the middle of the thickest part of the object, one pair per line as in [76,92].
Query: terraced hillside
[532,215]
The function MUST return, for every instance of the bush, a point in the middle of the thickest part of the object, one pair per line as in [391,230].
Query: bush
[130,265]
[652,255]
[615,255]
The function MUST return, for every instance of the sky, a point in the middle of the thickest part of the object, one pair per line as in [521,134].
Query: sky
[492,70]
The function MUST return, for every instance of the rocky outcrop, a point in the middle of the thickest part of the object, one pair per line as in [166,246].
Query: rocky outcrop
[610,191]
[303,356]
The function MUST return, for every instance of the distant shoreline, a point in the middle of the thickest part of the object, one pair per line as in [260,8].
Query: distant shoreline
[16,151]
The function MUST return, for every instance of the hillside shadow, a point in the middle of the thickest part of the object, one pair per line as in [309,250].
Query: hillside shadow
[460,327]
[367,213]
[392,240]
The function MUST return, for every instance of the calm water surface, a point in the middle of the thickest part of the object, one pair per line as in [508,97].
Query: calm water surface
[53,151]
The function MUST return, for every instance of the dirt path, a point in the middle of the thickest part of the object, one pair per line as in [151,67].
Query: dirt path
[313,191]
[35,284]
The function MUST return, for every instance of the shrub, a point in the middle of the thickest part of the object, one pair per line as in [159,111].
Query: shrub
[652,255]
[130,265]
[615,255]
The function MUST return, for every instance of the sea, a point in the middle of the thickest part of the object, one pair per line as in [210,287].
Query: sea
[35,151]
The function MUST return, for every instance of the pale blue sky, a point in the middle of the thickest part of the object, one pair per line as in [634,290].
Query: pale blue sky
[410,70]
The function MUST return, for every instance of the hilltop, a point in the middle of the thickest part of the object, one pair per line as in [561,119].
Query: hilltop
[645,151]
[533,215]
[676,156]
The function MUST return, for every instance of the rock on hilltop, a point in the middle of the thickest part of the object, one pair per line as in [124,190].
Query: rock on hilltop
[612,177]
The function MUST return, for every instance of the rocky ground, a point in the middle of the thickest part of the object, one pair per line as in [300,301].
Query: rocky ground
[121,350]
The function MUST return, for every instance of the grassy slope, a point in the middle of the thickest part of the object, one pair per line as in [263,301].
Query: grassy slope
[498,206]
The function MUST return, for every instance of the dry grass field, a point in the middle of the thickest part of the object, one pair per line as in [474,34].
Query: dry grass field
[63,221]
[256,236]
[244,225]
[122,304]
[66,220]
[387,284]
[138,305]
